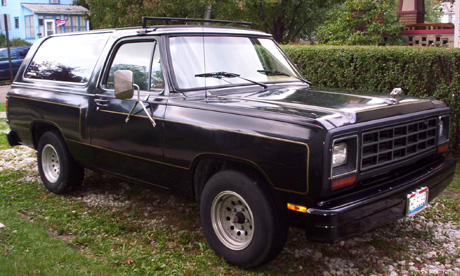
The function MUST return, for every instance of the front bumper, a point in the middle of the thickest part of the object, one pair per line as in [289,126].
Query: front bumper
[355,213]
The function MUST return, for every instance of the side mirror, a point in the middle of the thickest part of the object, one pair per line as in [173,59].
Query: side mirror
[123,83]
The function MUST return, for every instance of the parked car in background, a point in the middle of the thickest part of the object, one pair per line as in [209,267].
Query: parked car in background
[18,53]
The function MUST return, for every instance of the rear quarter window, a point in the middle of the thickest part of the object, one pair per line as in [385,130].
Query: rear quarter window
[67,58]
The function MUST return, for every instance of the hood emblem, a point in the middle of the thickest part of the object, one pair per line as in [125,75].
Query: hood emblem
[394,94]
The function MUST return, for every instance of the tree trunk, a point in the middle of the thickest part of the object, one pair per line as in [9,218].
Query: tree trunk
[207,12]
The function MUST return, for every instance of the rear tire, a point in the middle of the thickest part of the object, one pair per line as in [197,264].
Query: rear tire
[241,220]
[58,171]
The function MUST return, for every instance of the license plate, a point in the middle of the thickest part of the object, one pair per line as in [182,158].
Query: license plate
[417,201]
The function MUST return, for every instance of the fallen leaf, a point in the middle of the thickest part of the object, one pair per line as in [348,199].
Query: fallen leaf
[128,261]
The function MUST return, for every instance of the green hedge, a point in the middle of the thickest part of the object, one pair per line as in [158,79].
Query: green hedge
[421,72]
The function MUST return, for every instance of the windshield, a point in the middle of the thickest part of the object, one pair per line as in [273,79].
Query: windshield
[245,56]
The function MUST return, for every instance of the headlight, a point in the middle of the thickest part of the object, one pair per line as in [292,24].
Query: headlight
[443,129]
[339,154]
[344,156]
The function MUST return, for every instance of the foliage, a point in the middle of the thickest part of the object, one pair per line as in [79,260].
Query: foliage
[13,42]
[433,15]
[421,72]
[362,22]
[124,13]
[287,20]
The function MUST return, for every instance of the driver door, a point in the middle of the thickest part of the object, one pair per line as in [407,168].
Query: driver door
[133,149]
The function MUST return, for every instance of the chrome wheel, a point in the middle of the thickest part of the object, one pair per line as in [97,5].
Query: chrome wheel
[50,163]
[232,220]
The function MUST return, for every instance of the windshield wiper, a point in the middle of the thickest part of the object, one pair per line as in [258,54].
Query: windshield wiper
[279,73]
[219,75]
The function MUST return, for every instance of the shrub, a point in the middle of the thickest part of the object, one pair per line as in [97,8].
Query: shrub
[421,72]
[362,22]
[13,41]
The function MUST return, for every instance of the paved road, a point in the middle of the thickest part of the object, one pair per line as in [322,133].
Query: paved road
[3,90]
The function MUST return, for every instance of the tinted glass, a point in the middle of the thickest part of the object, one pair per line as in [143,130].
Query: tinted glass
[67,58]
[156,81]
[4,54]
[23,52]
[135,57]
[244,56]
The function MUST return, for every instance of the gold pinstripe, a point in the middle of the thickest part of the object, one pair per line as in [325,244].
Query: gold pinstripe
[49,102]
[188,168]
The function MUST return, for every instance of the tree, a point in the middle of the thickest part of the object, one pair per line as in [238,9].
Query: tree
[125,13]
[287,20]
[362,22]
[433,13]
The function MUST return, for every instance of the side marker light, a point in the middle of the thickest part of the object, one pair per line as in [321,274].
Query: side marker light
[297,208]
[343,182]
[443,148]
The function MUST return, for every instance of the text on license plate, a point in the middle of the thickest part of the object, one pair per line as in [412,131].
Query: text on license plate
[416,201]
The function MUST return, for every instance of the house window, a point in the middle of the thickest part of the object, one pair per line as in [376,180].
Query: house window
[16,22]
[30,26]
[82,24]
[75,24]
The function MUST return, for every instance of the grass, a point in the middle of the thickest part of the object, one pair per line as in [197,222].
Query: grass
[29,249]
[135,230]
[3,140]
[2,107]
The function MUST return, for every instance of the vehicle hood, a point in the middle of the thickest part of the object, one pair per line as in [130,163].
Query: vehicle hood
[335,107]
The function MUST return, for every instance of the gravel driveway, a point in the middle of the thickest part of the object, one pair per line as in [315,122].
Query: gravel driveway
[413,246]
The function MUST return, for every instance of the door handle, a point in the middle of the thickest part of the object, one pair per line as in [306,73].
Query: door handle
[102,102]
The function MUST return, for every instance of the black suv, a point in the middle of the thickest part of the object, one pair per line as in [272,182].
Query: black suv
[223,115]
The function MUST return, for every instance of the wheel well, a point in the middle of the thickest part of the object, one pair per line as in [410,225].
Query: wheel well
[207,167]
[38,129]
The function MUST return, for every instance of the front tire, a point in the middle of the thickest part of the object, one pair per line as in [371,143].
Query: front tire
[58,171]
[241,220]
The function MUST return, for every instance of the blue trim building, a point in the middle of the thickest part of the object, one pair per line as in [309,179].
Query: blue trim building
[32,19]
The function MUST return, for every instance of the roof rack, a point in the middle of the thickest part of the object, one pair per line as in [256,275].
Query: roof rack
[172,19]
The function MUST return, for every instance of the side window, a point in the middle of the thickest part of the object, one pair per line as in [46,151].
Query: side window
[156,79]
[14,54]
[3,55]
[135,57]
[23,53]
[67,58]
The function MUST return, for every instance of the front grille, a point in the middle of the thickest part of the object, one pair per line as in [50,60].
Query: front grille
[387,145]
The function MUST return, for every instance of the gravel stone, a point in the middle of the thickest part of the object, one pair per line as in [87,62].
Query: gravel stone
[421,252]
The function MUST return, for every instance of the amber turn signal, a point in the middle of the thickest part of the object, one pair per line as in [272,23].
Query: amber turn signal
[343,182]
[443,148]
[297,208]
